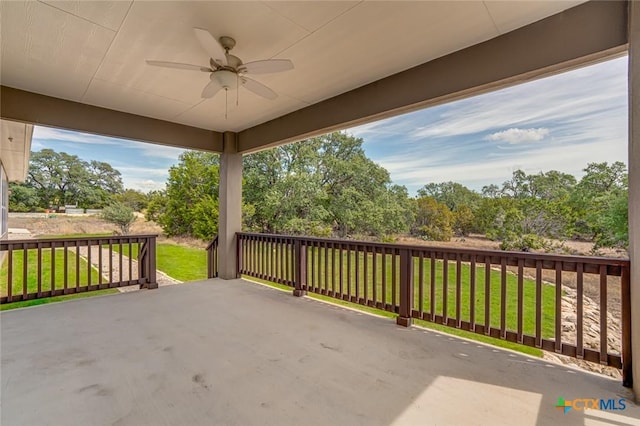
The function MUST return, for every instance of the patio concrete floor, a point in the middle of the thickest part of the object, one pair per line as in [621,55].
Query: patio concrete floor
[238,353]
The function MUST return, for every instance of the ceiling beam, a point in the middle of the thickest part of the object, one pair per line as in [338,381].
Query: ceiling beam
[584,34]
[33,108]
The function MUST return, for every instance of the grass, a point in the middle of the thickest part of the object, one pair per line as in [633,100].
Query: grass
[46,277]
[180,262]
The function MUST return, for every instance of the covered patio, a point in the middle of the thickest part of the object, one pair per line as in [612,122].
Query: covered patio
[236,352]
[228,352]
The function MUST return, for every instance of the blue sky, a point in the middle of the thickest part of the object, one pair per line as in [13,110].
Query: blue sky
[558,123]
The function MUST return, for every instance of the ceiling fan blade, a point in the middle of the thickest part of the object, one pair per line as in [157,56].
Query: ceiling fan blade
[258,88]
[213,48]
[211,89]
[267,66]
[178,65]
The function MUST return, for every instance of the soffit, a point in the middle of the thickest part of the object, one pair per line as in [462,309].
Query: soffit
[15,146]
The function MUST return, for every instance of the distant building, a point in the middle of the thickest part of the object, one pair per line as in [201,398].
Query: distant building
[15,149]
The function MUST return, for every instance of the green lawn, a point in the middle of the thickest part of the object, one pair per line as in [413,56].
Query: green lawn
[48,281]
[180,262]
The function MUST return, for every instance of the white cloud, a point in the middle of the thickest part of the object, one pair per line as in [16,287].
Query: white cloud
[144,185]
[515,135]
[49,133]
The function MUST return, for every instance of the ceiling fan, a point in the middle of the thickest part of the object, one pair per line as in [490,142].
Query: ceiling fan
[227,71]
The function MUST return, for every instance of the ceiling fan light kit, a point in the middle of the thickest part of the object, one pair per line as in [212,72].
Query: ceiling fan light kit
[227,71]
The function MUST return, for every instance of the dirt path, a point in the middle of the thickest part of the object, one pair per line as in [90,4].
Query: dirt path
[162,278]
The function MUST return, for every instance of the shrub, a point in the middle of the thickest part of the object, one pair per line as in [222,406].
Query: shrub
[120,215]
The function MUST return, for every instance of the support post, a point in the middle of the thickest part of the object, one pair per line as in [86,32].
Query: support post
[300,253]
[406,288]
[147,264]
[634,189]
[230,217]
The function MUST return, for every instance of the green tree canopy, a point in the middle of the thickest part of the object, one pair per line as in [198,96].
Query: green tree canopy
[62,179]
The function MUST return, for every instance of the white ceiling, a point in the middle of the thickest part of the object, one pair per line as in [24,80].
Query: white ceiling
[15,146]
[94,51]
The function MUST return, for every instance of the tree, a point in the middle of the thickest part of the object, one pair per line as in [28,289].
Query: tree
[321,186]
[62,179]
[22,198]
[189,205]
[463,220]
[120,215]
[136,200]
[452,194]
[433,220]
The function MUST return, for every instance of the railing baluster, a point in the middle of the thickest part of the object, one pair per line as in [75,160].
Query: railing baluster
[120,260]
[90,265]
[77,265]
[349,271]
[458,288]
[445,288]
[520,299]
[130,263]
[39,270]
[65,263]
[538,303]
[487,294]
[312,281]
[580,311]
[10,273]
[384,278]
[603,315]
[100,263]
[365,272]
[558,313]
[52,286]
[341,273]
[357,252]
[272,251]
[503,297]
[393,279]
[432,288]
[25,260]
[421,284]
[472,294]
[325,247]
[111,262]
[374,284]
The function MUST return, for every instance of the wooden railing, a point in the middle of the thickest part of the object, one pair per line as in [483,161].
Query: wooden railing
[212,258]
[34,269]
[552,302]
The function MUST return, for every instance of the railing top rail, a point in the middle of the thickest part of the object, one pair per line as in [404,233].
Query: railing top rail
[213,241]
[454,250]
[4,245]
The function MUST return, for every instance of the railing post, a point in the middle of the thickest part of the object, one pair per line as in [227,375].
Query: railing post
[627,373]
[149,264]
[406,288]
[239,260]
[300,251]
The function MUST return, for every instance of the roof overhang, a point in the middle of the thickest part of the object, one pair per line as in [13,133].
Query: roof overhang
[15,148]
[536,44]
